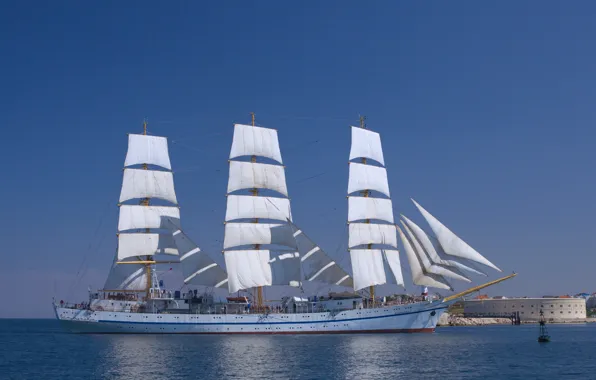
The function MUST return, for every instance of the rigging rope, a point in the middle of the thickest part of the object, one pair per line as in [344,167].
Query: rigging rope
[82,269]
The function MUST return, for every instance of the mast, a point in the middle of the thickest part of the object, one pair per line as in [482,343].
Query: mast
[255,193]
[377,263]
[365,193]
[145,202]
[137,243]
[257,222]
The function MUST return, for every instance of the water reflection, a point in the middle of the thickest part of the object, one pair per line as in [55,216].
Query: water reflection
[453,353]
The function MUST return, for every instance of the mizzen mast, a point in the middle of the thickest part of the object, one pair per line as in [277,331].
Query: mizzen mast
[137,248]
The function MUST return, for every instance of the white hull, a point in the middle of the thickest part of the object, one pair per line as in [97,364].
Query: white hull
[417,317]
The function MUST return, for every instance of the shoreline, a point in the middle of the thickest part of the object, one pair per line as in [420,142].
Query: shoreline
[458,320]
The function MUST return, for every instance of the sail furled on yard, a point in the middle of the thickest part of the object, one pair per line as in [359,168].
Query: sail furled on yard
[258,252]
[372,240]
[451,243]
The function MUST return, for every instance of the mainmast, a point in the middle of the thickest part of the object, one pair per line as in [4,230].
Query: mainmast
[257,222]
[145,202]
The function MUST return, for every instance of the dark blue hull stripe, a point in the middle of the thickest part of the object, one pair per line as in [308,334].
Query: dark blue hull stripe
[267,322]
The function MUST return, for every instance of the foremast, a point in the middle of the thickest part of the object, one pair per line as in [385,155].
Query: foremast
[372,239]
[255,192]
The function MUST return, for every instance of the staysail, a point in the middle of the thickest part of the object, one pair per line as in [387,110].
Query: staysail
[432,248]
[419,277]
[372,235]
[451,243]
[428,256]
[196,266]
[248,263]
[316,264]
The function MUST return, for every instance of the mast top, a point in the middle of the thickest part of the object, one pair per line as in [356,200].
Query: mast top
[252,116]
[362,123]
[144,126]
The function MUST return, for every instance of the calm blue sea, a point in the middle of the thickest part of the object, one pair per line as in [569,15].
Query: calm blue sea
[39,349]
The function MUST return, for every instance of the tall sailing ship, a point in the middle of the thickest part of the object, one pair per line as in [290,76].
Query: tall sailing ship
[263,246]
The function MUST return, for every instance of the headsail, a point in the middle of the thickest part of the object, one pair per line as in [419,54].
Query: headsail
[451,243]
[370,217]
[248,264]
[434,263]
[427,265]
[418,275]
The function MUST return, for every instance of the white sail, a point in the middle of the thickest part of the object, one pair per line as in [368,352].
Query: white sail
[248,269]
[391,257]
[139,183]
[145,244]
[126,277]
[453,261]
[250,175]
[367,177]
[137,216]
[316,264]
[361,208]
[451,243]
[371,265]
[369,233]
[432,249]
[239,234]
[366,144]
[367,267]
[198,268]
[255,141]
[257,266]
[418,276]
[249,207]
[427,265]
[143,149]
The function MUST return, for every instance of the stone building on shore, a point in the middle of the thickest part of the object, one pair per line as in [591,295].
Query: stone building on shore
[556,309]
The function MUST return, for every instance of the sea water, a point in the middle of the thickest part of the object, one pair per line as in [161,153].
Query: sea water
[39,349]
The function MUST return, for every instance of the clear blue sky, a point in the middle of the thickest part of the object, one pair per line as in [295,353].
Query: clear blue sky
[486,111]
